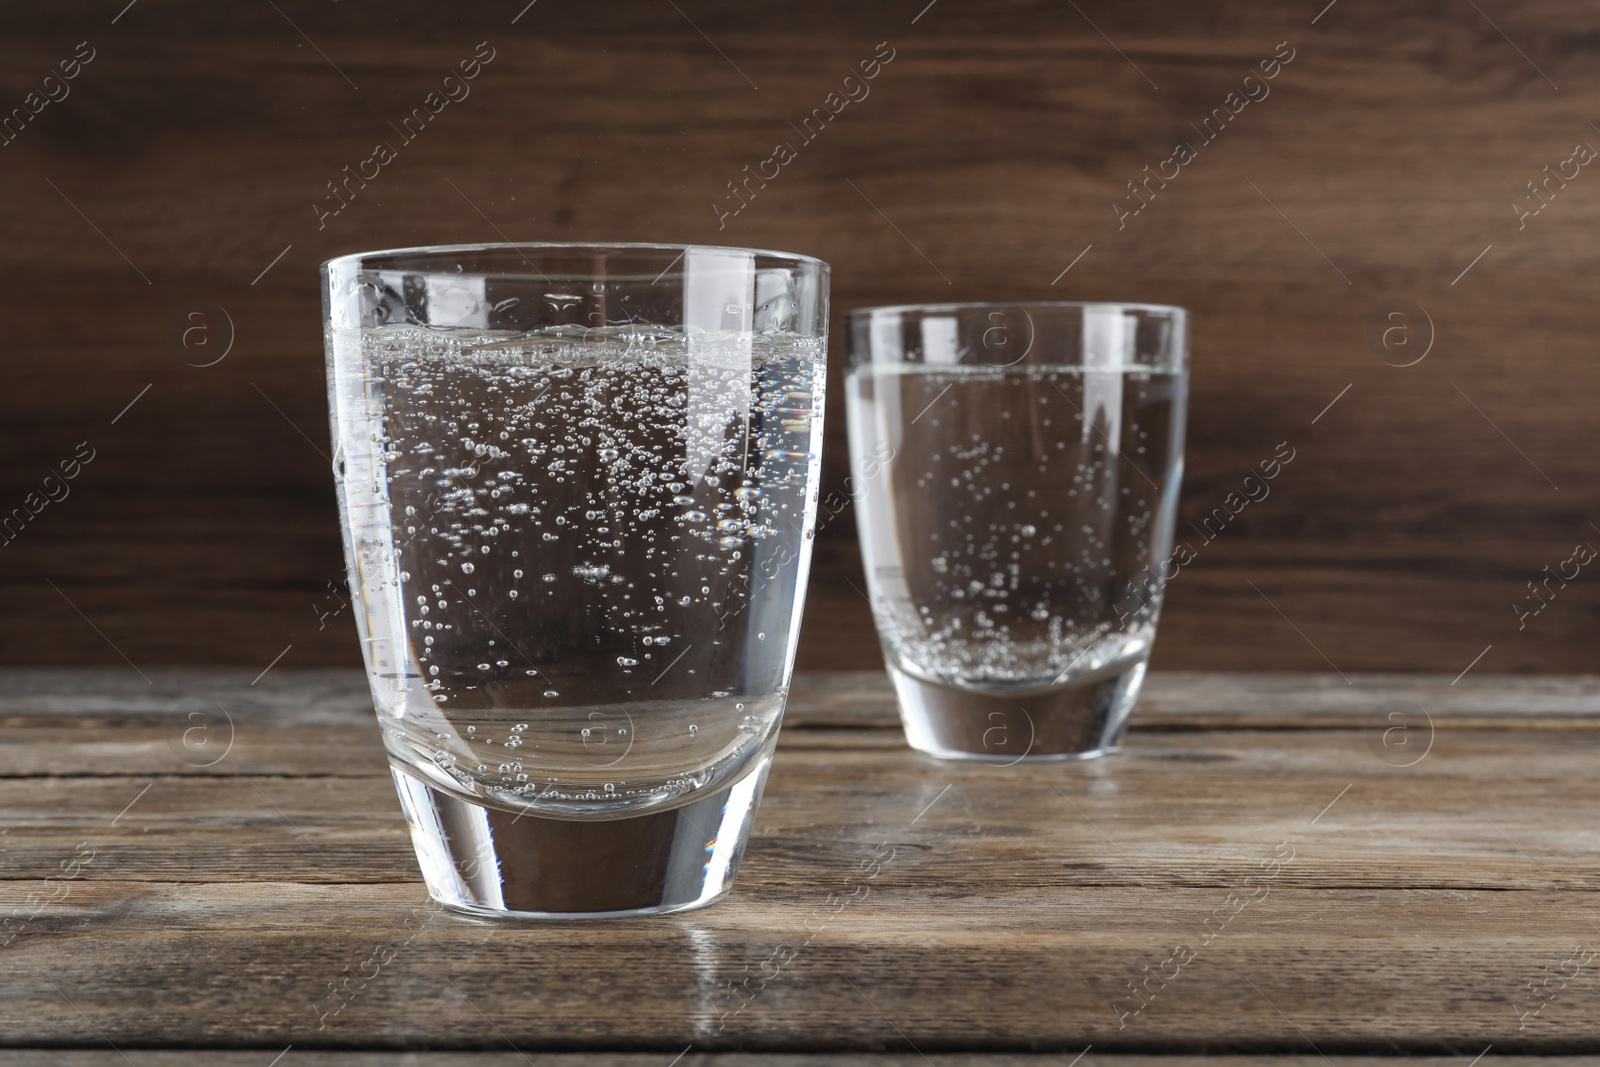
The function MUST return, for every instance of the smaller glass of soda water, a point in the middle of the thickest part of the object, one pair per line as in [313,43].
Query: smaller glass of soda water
[578,486]
[1015,469]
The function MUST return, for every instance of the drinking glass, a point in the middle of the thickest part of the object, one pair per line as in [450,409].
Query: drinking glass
[578,486]
[1015,474]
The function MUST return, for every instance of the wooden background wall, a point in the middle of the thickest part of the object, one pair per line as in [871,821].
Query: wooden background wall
[178,177]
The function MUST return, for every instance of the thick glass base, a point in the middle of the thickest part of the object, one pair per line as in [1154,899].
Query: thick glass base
[1080,719]
[502,863]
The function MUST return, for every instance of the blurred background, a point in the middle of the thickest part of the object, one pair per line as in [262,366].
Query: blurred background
[1388,250]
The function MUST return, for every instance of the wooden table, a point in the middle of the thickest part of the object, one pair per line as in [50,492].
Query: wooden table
[1284,867]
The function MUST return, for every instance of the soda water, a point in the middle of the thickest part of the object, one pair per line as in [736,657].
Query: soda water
[573,546]
[1014,526]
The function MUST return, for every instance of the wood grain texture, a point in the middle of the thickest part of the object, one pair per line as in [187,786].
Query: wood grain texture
[1416,891]
[192,148]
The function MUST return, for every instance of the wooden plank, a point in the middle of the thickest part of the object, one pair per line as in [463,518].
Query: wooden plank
[111,723]
[1262,700]
[1187,808]
[1170,699]
[1017,968]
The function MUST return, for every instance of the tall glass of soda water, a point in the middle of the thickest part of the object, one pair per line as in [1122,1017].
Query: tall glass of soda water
[578,486]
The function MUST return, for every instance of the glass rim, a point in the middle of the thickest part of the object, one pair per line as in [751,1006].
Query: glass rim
[355,258]
[1031,305]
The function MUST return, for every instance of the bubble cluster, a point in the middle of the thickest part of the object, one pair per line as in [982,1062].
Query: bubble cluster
[582,529]
[1012,516]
